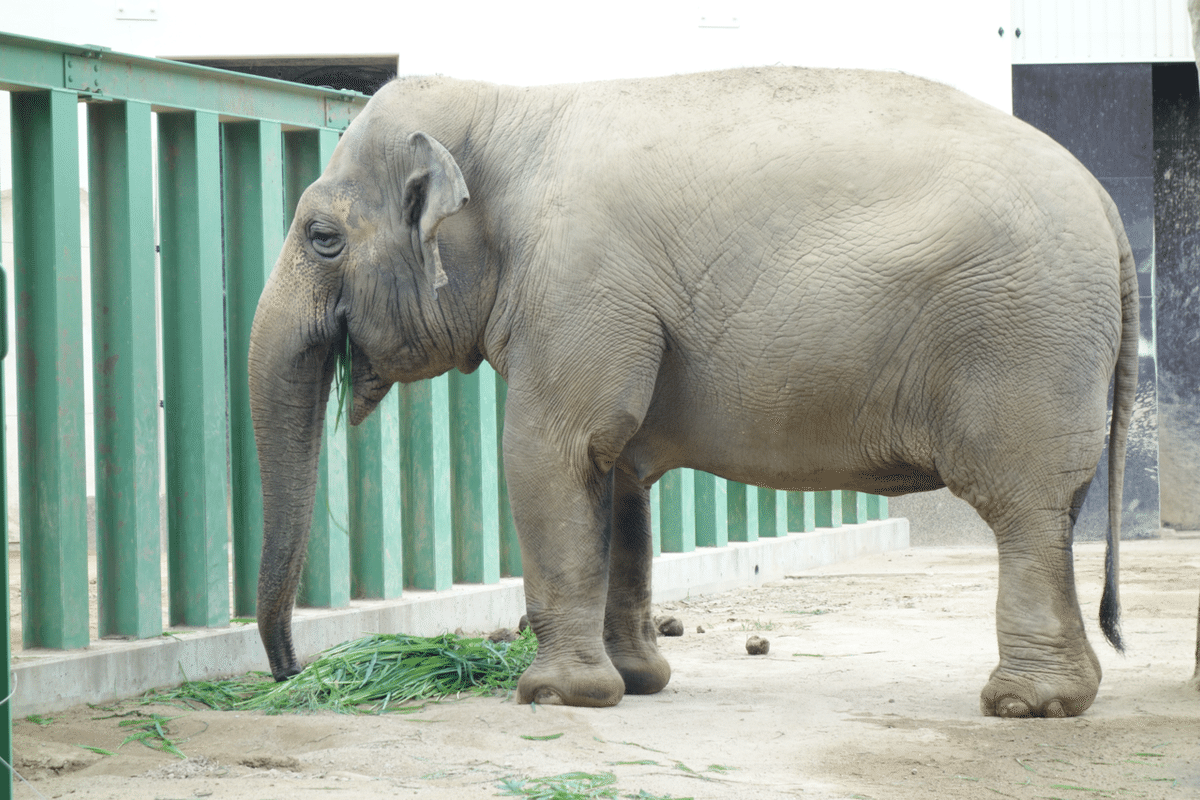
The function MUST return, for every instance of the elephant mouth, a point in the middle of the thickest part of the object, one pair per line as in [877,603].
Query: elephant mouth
[367,388]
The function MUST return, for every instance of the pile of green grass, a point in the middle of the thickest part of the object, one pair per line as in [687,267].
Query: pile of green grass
[372,675]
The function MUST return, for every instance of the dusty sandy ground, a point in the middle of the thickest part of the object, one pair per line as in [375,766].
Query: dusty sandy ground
[870,690]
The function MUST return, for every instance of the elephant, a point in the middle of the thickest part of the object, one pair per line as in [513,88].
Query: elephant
[804,279]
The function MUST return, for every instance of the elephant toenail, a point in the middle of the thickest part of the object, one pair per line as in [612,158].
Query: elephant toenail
[1012,707]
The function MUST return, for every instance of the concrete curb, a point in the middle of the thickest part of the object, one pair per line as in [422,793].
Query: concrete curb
[110,670]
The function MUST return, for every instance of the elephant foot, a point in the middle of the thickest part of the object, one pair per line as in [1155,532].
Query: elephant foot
[643,673]
[1065,690]
[590,685]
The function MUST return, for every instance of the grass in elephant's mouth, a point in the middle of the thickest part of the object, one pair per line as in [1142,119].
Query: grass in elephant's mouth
[372,675]
[342,381]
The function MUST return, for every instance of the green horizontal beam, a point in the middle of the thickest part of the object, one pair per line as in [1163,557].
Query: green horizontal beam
[28,64]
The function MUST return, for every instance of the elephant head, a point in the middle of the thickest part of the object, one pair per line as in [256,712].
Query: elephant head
[361,269]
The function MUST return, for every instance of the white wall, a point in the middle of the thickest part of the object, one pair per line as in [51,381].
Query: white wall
[1095,31]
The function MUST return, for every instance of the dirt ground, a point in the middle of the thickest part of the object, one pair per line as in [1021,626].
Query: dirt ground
[870,690]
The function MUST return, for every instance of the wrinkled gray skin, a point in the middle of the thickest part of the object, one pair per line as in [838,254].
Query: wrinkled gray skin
[795,278]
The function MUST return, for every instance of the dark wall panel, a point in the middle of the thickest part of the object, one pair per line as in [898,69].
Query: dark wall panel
[1176,124]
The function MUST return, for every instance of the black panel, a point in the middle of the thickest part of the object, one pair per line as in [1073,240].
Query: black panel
[1177,228]
[1100,112]
[1176,110]
[1177,274]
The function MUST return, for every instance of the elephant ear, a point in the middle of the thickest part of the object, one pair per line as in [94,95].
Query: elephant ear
[433,190]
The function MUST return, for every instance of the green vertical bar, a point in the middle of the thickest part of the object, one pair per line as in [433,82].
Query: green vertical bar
[425,485]
[751,514]
[721,511]
[655,521]
[189,192]
[325,582]
[124,368]
[877,506]
[305,154]
[677,511]
[768,516]
[854,508]
[801,512]
[47,256]
[510,544]
[476,545]
[252,162]
[704,491]
[376,543]
[828,509]
[740,529]
[670,512]
[489,478]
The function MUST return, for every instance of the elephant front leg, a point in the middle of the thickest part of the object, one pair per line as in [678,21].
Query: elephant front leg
[1047,666]
[629,633]
[563,514]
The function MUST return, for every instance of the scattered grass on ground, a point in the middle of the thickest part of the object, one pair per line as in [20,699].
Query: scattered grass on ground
[572,786]
[758,625]
[371,675]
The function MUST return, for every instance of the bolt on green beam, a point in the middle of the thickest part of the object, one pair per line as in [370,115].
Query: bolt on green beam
[124,366]
[48,277]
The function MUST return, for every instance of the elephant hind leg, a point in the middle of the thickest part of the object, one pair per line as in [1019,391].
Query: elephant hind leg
[1047,666]
[629,634]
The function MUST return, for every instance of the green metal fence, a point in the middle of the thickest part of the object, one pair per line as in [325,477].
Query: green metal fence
[193,175]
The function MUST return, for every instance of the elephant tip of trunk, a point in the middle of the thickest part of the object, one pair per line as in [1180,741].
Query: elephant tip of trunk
[286,674]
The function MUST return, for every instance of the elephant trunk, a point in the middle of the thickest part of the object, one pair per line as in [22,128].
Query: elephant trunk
[291,365]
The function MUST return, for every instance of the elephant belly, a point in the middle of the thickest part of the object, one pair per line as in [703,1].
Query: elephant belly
[805,449]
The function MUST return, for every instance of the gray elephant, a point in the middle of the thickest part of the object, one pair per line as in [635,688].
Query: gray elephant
[802,279]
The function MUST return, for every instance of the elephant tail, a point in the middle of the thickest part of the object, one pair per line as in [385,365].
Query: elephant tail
[1124,392]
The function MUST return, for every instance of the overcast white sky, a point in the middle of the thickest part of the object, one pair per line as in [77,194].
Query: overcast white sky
[551,41]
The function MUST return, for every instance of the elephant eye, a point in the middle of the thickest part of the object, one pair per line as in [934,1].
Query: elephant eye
[325,239]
